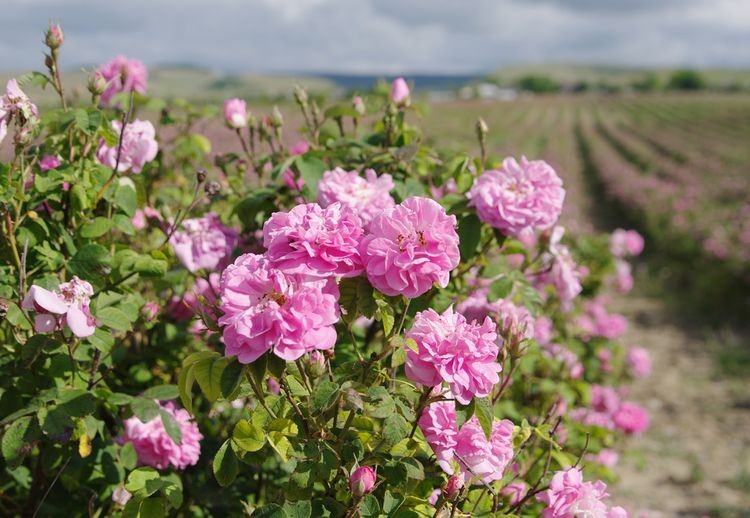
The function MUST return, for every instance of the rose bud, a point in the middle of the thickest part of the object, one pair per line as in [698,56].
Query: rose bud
[235,113]
[400,91]
[454,486]
[316,366]
[54,36]
[362,481]
[359,105]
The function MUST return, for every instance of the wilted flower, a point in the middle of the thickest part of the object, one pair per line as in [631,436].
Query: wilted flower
[123,75]
[71,301]
[367,197]
[410,247]
[139,146]
[520,197]
[203,242]
[156,448]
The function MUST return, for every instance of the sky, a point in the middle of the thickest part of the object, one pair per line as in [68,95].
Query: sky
[381,36]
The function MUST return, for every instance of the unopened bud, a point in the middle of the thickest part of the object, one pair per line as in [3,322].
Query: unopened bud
[54,37]
[316,364]
[454,486]
[276,119]
[24,136]
[212,188]
[482,128]
[201,175]
[362,481]
[300,95]
[359,105]
[97,84]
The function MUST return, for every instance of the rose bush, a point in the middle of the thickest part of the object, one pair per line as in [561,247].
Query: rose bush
[295,332]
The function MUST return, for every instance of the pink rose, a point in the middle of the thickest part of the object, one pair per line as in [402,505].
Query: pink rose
[518,198]
[626,242]
[400,91]
[235,113]
[452,350]
[361,481]
[156,448]
[123,75]
[639,362]
[515,492]
[203,242]
[410,247]
[49,162]
[367,197]
[138,147]
[15,104]
[631,418]
[71,301]
[299,148]
[568,496]
[454,486]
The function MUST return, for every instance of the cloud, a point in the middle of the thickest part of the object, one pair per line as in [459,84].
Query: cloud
[387,36]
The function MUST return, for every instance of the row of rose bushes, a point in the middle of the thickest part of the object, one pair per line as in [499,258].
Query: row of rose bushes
[362,345]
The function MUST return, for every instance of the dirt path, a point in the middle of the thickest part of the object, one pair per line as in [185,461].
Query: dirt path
[695,459]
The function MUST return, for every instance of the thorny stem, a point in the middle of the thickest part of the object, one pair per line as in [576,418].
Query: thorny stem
[297,411]
[244,145]
[12,240]
[259,396]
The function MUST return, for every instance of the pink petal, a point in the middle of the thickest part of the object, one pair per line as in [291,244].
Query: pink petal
[45,299]
[45,323]
[78,322]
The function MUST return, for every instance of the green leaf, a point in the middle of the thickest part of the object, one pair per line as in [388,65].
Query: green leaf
[391,502]
[208,373]
[90,261]
[152,508]
[500,289]
[124,223]
[269,511]
[138,479]
[113,318]
[144,409]
[126,199]
[225,464]
[469,234]
[324,395]
[102,340]
[162,392]
[231,377]
[485,413]
[119,399]
[464,412]
[185,381]
[395,428]
[369,507]
[128,456]
[96,228]
[311,170]
[171,426]
[148,266]
[301,509]
[248,437]
[18,439]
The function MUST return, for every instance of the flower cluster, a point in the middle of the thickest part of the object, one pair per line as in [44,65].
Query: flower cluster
[518,198]
[608,411]
[68,305]
[451,350]
[479,459]
[154,445]
[139,147]
[569,496]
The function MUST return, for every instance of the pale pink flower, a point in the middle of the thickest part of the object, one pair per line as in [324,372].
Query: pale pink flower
[623,276]
[314,242]
[477,458]
[299,148]
[235,113]
[631,418]
[156,448]
[543,330]
[49,162]
[203,242]
[138,220]
[449,187]
[68,305]
[120,495]
[605,357]
[566,356]
[434,496]
[596,321]
[264,309]
[139,146]
[15,104]
[606,457]
[367,197]
[639,361]
[410,247]
[520,197]
[199,300]
[123,75]
[361,481]
[562,272]
[400,91]
[452,350]
[512,320]
[515,492]
[569,496]
[626,242]
[273,386]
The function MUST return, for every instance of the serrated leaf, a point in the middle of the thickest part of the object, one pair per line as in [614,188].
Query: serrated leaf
[91,260]
[500,289]
[485,414]
[18,438]
[324,395]
[162,392]
[114,318]
[248,437]
[208,373]
[395,428]
[225,464]
[231,377]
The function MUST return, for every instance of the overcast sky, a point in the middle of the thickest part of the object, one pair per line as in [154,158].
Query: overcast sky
[381,36]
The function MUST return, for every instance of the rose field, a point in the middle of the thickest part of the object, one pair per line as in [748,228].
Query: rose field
[370,303]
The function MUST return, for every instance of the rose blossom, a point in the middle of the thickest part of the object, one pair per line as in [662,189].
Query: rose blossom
[138,146]
[623,276]
[434,496]
[15,104]
[120,495]
[71,300]
[235,113]
[477,457]
[515,491]
[639,361]
[510,318]
[454,486]
[410,247]
[453,350]
[314,242]
[631,418]
[362,481]
[520,197]
[625,242]
[203,242]
[265,308]
[123,75]
[299,148]
[156,448]
[569,496]
[49,162]
[596,321]
[606,457]
[400,91]
[367,196]
[543,330]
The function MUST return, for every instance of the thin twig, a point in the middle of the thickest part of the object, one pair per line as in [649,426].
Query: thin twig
[41,502]
[125,121]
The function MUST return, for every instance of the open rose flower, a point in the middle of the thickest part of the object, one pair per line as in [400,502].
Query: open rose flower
[512,320]
[68,305]
[639,361]
[265,308]
[15,105]
[203,242]
[367,196]
[631,418]
[518,198]
[155,447]
[138,147]
[452,350]
[626,242]
[123,75]
[409,247]
[478,458]
[235,113]
[315,242]
[569,496]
